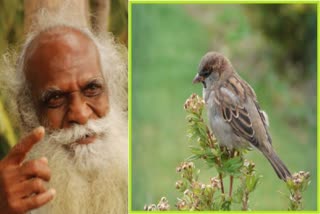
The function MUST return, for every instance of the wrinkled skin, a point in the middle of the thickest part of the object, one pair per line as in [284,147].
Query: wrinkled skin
[63,69]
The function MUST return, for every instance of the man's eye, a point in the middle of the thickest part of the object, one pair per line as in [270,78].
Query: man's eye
[92,90]
[55,101]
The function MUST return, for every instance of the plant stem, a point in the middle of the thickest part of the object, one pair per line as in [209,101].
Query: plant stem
[211,144]
[233,154]
[231,184]
[218,162]
[245,200]
[221,183]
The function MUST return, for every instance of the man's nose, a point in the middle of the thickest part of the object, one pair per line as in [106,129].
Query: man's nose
[79,112]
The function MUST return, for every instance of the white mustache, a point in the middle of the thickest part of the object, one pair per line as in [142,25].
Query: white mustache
[94,127]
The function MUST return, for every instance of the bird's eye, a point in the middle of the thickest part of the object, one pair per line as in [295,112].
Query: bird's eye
[205,73]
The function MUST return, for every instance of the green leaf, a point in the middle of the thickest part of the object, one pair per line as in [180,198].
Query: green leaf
[226,205]
[196,176]
[237,196]
[232,166]
[215,152]
[193,157]
[251,182]
[196,150]
[290,184]
[6,128]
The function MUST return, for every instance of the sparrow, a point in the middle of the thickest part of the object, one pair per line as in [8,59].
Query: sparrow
[234,115]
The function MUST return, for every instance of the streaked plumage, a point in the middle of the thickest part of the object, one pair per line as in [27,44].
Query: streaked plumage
[234,114]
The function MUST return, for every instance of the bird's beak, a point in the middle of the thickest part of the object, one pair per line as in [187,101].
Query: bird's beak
[197,79]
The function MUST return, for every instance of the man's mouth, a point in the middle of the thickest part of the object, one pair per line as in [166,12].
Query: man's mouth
[87,139]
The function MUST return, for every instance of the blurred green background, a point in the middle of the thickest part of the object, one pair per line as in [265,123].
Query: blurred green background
[273,47]
[12,36]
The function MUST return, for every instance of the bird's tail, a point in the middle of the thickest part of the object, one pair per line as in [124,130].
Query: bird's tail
[277,164]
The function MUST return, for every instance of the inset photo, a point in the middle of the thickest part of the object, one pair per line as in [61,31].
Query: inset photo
[63,107]
[224,102]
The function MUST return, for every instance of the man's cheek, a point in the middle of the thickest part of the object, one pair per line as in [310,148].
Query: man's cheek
[100,105]
[52,119]
[106,105]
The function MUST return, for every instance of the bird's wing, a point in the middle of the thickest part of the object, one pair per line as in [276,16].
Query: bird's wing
[263,115]
[230,97]
[264,119]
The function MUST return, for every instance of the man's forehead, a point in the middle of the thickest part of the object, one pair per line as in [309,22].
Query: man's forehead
[56,33]
[58,40]
[59,50]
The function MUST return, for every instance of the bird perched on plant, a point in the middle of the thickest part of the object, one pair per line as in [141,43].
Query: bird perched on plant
[234,114]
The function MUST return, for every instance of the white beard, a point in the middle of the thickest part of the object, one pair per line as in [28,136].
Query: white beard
[88,178]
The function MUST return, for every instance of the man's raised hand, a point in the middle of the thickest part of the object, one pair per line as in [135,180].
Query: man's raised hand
[22,183]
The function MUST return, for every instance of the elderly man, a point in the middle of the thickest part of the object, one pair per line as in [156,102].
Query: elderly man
[69,90]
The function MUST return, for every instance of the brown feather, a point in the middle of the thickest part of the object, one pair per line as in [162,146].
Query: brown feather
[233,111]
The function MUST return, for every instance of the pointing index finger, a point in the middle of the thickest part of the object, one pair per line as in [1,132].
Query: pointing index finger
[19,151]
